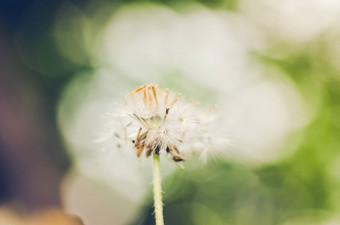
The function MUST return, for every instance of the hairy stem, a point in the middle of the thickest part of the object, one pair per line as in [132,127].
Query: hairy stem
[157,190]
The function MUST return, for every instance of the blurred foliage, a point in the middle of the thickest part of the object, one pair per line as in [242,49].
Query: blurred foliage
[232,194]
[302,185]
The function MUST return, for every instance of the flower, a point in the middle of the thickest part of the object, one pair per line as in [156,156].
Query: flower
[156,121]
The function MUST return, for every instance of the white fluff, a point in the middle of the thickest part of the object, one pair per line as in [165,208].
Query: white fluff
[156,121]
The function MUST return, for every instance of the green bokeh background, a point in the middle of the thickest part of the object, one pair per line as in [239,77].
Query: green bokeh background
[300,189]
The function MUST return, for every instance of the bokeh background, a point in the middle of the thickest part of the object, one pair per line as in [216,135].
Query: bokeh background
[272,68]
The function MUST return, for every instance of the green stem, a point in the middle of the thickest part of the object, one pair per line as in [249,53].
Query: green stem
[157,190]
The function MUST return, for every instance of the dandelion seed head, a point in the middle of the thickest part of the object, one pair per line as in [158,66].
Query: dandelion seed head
[157,121]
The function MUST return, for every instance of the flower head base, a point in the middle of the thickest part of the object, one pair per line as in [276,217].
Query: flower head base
[157,121]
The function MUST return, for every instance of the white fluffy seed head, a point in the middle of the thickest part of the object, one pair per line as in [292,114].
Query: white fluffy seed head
[156,121]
